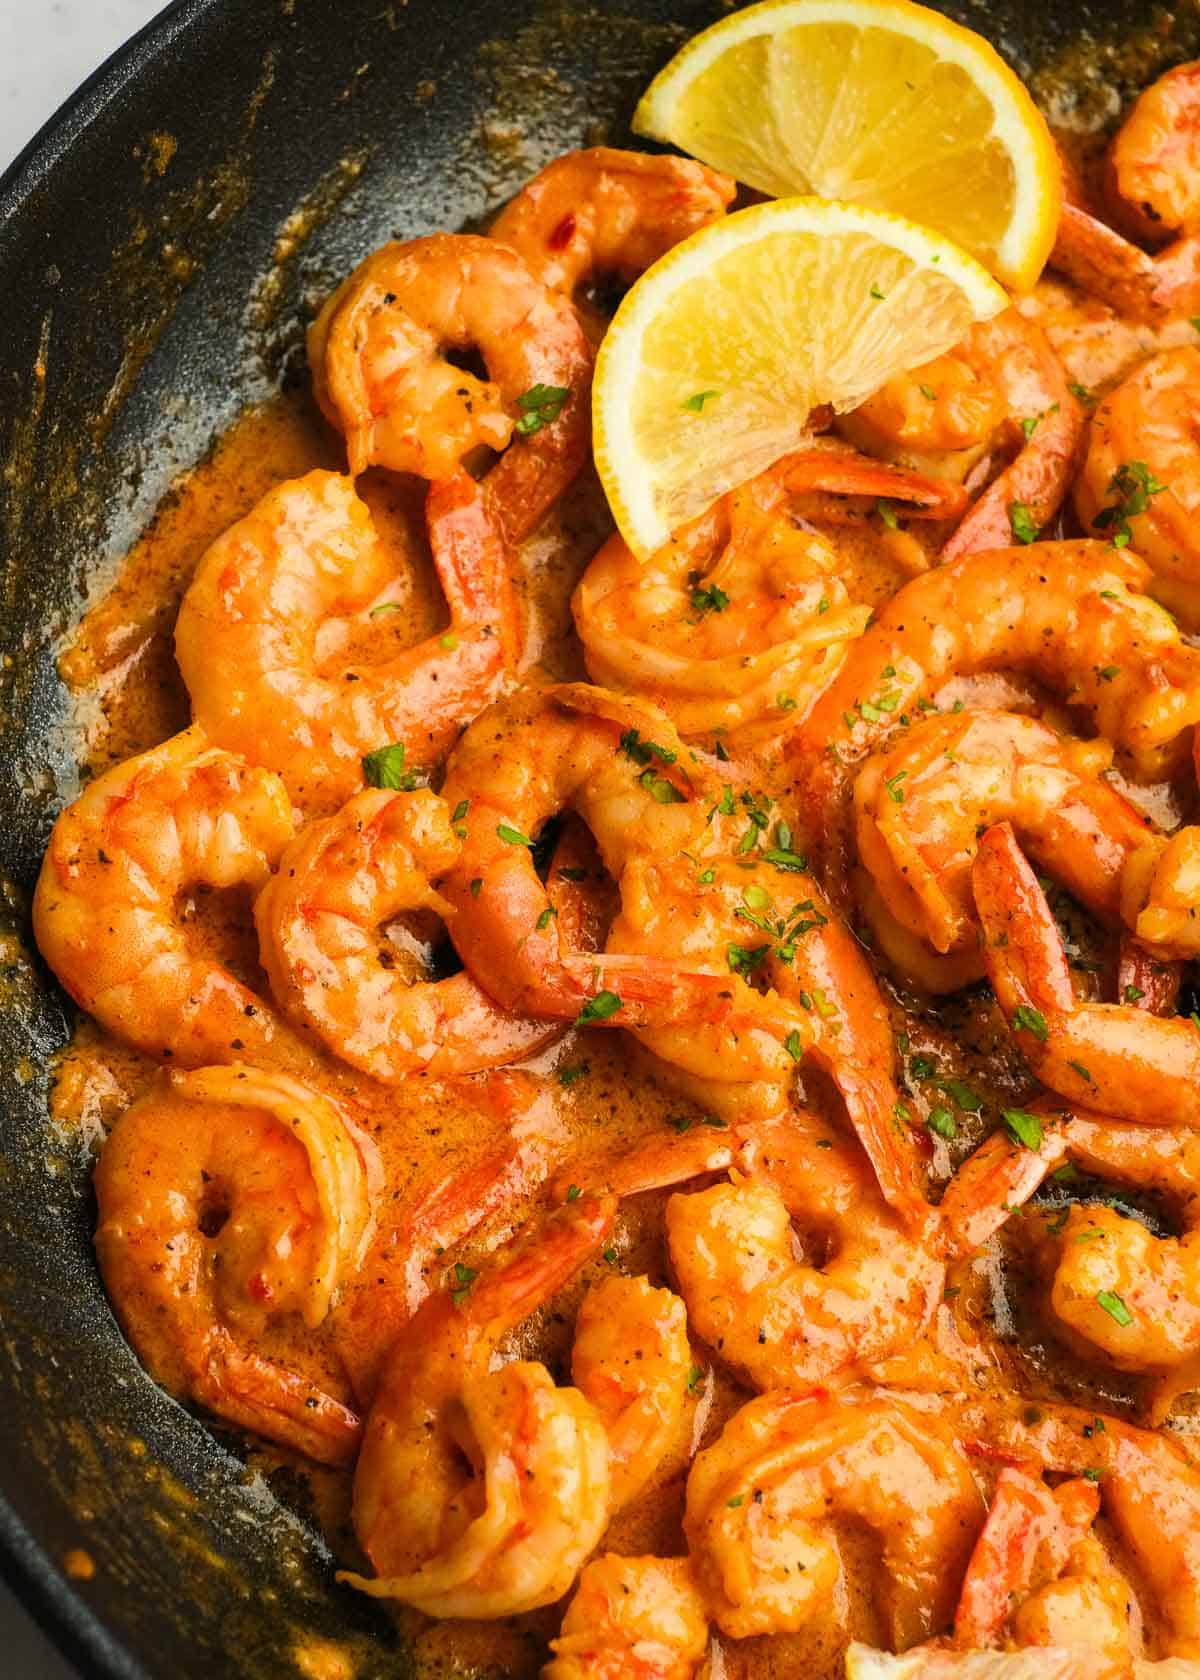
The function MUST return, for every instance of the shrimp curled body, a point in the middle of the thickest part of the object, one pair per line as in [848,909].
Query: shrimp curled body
[604,213]
[1072,613]
[381,377]
[1093,1252]
[228,1199]
[1142,469]
[248,638]
[632,1618]
[106,911]
[742,613]
[921,805]
[785,1321]
[444,1537]
[318,919]
[760,1501]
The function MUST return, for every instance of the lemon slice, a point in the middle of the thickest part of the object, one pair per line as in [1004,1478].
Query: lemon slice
[720,352]
[876,102]
[1044,1663]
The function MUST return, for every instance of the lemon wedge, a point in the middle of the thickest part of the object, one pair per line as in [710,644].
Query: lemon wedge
[718,355]
[876,102]
[1044,1663]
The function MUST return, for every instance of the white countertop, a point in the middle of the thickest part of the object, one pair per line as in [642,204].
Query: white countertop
[47,47]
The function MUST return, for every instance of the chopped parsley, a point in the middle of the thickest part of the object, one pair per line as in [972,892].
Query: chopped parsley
[792,863]
[599,1008]
[464,1277]
[1132,484]
[711,598]
[1022,1127]
[642,752]
[574,1071]
[968,1100]
[1030,1020]
[384,768]
[540,406]
[512,836]
[744,959]
[1022,523]
[660,789]
[942,1121]
[1115,1307]
[695,403]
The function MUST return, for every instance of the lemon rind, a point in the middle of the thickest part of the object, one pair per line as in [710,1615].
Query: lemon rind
[1017,122]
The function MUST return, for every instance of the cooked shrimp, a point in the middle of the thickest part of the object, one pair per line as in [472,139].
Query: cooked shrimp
[1160,892]
[742,615]
[1109,1057]
[920,808]
[631,1359]
[1004,392]
[621,765]
[319,919]
[230,1199]
[479,1492]
[608,214]
[679,950]
[1149,1492]
[1150,193]
[1071,613]
[821,996]
[1039,1577]
[382,377]
[1137,284]
[524,1138]
[1116,1287]
[1154,160]
[761,1502]
[632,1618]
[1140,481]
[107,912]
[866,1293]
[250,632]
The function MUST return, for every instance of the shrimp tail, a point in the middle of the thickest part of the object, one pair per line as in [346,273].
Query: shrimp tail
[846,472]
[1018,921]
[255,1393]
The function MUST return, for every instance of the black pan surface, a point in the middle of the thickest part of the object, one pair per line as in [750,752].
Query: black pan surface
[143,306]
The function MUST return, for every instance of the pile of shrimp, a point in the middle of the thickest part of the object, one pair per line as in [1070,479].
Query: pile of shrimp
[879,771]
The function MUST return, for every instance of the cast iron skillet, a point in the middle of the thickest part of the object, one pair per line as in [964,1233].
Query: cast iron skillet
[149,299]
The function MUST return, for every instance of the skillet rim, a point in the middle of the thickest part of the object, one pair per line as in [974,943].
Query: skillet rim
[66,1616]
[36,1580]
